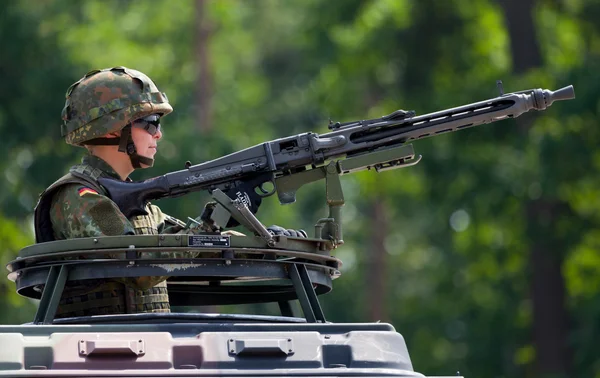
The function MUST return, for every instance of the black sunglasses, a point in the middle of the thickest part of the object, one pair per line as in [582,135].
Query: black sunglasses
[150,123]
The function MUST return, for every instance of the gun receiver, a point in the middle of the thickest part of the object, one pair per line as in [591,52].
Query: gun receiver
[290,162]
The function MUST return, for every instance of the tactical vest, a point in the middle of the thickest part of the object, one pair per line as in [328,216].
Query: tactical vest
[98,297]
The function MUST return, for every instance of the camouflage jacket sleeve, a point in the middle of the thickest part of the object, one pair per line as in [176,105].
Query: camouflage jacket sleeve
[166,224]
[79,212]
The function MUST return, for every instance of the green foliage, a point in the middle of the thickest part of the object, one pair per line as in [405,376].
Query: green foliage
[458,270]
[13,237]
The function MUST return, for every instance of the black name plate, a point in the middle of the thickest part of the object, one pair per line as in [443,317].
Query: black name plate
[209,241]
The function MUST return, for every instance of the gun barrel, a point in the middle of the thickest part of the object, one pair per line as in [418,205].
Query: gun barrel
[566,93]
[510,105]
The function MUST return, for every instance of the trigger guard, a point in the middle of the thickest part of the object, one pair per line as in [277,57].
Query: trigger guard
[263,192]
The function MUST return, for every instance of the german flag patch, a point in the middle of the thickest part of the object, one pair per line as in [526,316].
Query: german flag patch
[83,191]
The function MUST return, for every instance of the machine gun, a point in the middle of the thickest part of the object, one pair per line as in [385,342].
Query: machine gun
[286,164]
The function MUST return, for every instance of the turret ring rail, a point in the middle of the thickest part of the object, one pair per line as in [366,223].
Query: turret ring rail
[223,269]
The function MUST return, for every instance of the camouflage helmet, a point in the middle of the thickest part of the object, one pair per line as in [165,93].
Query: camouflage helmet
[105,101]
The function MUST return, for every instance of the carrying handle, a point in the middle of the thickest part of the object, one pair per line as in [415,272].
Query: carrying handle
[111,347]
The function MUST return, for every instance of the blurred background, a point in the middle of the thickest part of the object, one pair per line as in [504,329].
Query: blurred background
[484,255]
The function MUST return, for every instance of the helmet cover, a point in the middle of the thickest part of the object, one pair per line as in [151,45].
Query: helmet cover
[105,101]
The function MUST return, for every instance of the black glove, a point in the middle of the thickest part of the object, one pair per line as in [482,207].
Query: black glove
[277,230]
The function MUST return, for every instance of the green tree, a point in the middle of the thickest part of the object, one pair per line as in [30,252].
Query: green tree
[443,250]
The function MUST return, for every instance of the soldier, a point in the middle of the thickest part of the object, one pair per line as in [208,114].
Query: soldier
[115,114]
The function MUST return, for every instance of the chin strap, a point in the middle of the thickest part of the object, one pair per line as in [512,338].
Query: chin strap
[126,145]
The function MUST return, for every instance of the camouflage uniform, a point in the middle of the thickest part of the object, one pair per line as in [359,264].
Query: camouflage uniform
[102,102]
[77,211]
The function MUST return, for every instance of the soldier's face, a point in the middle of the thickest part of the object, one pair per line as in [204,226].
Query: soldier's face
[145,143]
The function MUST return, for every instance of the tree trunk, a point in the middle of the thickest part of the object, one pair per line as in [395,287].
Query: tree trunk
[518,15]
[547,286]
[204,85]
[376,255]
[550,319]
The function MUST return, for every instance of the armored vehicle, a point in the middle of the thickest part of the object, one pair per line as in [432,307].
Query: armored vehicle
[227,270]
[257,268]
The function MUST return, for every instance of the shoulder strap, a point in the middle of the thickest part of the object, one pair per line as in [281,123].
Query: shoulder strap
[79,174]
[88,173]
